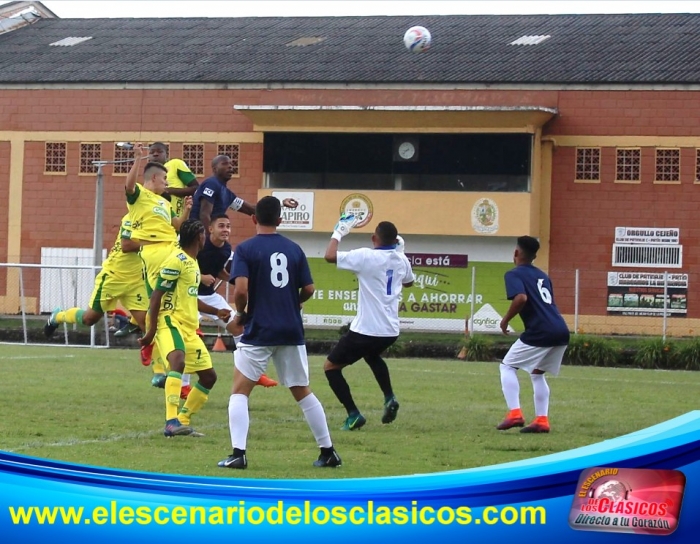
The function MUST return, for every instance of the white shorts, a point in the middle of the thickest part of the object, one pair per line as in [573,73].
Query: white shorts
[291,362]
[529,358]
[218,302]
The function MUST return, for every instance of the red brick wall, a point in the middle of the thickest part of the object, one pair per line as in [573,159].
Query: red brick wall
[632,113]
[584,217]
[58,210]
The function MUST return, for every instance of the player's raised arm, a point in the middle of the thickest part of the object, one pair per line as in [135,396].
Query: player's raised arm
[342,227]
[133,175]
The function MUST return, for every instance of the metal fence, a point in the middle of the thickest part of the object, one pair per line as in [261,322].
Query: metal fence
[443,299]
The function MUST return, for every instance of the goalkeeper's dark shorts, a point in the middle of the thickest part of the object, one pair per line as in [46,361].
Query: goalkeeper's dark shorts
[354,346]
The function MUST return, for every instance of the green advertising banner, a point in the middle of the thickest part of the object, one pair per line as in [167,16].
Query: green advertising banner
[440,299]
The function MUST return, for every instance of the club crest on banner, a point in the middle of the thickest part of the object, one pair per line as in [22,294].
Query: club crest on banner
[485,216]
[360,206]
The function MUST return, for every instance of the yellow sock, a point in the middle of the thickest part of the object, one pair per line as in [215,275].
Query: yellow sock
[72,315]
[172,394]
[194,403]
[133,321]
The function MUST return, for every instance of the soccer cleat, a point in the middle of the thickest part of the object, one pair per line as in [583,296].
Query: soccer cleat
[185,391]
[266,382]
[353,422]
[539,425]
[200,333]
[158,380]
[173,427]
[127,330]
[51,324]
[391,408]
[236,460]
[514,418]
[147,354]
[329,458]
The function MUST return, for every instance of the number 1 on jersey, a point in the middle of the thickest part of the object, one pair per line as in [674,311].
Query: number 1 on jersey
[389,278]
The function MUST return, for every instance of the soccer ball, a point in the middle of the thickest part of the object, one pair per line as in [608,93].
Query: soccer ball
[417,39]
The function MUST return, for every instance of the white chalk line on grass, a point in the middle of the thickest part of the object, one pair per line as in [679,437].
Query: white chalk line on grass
[104,440]
[19,357]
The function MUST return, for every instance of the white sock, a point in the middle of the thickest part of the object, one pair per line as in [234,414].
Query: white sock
[237,339]
[186,379]
[510,386]
[238,420]
[541,394]
[316,418]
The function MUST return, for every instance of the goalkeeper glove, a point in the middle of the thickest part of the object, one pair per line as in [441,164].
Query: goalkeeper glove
[344,225]
[400,244]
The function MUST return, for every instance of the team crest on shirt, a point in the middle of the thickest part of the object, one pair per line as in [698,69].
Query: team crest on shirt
[182,256]
[485,216]
[358,205]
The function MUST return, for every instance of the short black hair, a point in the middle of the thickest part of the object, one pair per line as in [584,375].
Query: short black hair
[154,165]
[158,145]
[219,159]
[189,231]
[219,215]
[268,210]
[529,246]
[387,233]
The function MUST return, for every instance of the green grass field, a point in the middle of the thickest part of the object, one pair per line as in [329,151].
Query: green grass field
[96,407]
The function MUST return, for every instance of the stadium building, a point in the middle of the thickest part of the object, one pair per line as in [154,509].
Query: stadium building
[578,129]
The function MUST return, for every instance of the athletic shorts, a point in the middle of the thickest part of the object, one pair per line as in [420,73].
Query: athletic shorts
[110,290]
[291,363]
[153,257]
[218,302]
[354,346]
[171,336]
[529,358]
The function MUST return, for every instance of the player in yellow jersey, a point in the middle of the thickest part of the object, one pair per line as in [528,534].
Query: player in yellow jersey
[120,280]
[155,228]
[181,181]
[173,323]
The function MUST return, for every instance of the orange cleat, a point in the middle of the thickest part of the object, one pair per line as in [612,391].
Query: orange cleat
[514,418]
[539,425]
[200,333]
[147,355]
[266,382]
[185,391]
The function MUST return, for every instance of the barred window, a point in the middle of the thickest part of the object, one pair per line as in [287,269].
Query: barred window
[55,157]
[88,154]
[648,256]
[588,164]
[233,152]
[629,164]
[193,155]
[668,165]
[121,154]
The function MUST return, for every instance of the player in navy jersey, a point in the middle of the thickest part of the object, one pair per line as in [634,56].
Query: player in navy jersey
[213,197]
[214,262]
[381,273]
[272,278]
[541,347]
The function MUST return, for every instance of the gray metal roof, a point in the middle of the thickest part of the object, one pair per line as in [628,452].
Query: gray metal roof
[582,49]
